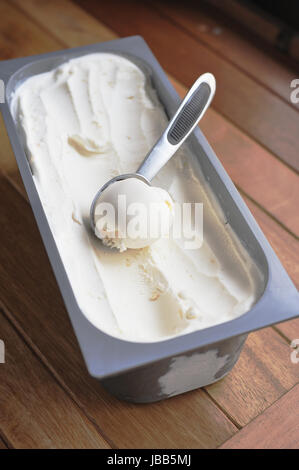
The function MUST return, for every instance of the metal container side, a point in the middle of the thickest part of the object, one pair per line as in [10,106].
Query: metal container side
[178,374]
[151,371]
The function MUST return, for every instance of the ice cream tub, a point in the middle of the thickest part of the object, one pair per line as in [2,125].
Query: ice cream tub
[151,370]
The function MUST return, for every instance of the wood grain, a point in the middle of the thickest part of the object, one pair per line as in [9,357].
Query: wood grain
[72,26]
[7,159]
[264,26]
[289,329]
[276,428]
[37,307]
[19,36]
[245,395]
[251,166]
[224,37]
[259,24]
[35,411]
[251,107]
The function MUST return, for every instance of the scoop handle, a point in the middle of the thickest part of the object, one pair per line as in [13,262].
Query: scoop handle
[191,110]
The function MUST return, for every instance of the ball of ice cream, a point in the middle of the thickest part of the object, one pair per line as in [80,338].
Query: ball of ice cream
[130,213]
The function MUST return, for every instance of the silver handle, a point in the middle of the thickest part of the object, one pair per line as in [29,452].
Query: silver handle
[181,125]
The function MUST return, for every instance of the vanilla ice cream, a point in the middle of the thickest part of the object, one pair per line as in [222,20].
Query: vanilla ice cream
[85,122]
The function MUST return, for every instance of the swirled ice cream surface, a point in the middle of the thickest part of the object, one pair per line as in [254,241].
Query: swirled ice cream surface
[85,122]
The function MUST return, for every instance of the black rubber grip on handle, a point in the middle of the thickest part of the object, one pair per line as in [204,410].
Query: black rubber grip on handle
[189,114]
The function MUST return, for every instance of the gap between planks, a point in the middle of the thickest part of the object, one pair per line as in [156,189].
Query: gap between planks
[276,428]
[5,442]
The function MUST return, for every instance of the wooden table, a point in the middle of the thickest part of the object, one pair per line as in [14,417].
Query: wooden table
[47,399]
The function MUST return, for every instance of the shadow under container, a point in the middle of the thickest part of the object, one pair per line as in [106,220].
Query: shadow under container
[147,372]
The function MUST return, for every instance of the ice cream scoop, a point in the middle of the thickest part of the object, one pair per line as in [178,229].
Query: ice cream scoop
[135,188]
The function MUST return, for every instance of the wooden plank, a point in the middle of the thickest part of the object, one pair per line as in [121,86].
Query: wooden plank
[261,25]
[276,428]
[35,411]
[254,169]
[263,374]
[250,106]
[7,159]
[37,307]
[19,36]
[289,329]
[67,22]
[225,38]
